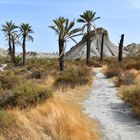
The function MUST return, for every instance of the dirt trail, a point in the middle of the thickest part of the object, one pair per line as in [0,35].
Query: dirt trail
[112,113]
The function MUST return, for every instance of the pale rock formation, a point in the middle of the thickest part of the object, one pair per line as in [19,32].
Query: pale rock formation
[79,51]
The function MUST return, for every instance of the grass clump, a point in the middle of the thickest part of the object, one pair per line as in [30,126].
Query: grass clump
[73,77]
[112,72]
[8,80]
[131,95]
[5,117]
[28,93]
[126,78]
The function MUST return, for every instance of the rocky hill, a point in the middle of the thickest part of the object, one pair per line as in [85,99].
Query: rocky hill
[3,52]
[79,51]
[133,49]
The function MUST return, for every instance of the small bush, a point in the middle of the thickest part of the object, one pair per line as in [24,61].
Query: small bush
[38,74]
[126,78]
[8,80]
[112,72]
[131,95]
[73,77]
[5,117]
[133,65]
[28,93]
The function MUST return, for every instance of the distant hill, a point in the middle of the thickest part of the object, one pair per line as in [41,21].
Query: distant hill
[79,51]
[133,49]
[41,55]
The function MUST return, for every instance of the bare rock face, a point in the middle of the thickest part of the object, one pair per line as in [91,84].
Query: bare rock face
[79,51]
[133,49]
[3,52]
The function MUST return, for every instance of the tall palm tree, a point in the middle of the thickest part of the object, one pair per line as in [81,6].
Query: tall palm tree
[88,18]
[25,31]
[9,30]
[14,41]
[64,29]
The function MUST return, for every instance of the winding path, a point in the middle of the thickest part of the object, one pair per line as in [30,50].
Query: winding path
[112,113]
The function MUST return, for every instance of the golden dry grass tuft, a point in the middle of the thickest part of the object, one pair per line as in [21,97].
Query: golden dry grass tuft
[54,118]
[131,95]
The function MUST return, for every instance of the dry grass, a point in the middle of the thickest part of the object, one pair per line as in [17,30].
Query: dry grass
[111,71]
[73,77]
[131,95]
[58,118]
[55,118]
[126,78]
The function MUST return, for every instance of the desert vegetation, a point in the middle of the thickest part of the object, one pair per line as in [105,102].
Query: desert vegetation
[126,76]
[38,102]
[40,97]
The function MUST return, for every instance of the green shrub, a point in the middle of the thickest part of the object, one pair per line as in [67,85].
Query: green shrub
[8,80]
[38,74]
[5,117]
[73,77]
[25,94]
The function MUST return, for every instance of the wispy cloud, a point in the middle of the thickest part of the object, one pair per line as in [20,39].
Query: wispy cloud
[134,4]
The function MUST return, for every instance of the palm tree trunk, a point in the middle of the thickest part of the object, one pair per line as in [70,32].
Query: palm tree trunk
[120,48]
[10,48]
[102,47]
[61,54]
[24,51]
[13,44]
[88,48]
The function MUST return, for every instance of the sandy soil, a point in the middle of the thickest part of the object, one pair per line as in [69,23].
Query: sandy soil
[114,116]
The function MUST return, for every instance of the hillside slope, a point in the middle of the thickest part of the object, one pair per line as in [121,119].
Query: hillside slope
[79,51]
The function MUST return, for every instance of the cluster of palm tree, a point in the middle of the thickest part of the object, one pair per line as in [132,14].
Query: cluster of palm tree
[17,35]
[64,29]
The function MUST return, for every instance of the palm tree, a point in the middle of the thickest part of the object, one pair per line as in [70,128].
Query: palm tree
[9,30]
[25,31]
[64,29]
[88,18]
[15,41]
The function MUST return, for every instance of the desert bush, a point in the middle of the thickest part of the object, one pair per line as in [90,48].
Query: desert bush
[5,117]
[28,93]
[73,77]
[8,80]
[131,95]
[133,65]
[112,71]
[126,78]
[38,74]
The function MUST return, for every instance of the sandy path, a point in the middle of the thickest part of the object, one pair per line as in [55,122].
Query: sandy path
[113,115]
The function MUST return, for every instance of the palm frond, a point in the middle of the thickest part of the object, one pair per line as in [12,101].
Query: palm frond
[54,28]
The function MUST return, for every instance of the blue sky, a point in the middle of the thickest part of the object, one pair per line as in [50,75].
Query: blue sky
[117,16]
